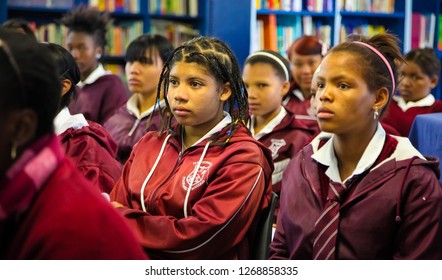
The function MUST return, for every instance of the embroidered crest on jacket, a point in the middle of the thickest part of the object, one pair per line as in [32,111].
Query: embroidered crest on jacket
[275,146]
[201,174]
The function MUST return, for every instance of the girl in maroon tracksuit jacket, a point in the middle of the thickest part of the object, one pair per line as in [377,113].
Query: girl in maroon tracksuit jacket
[195,190]
[356,192]
[48,210]
[266,75]
[86,143]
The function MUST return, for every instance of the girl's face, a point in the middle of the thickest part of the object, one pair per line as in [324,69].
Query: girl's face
[303,68]
[414,83]
[265,88]
[83,48]
[143,75]
[344,104]
[196,99]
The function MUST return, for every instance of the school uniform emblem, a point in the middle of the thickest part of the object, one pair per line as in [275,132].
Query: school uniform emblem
[201,174]
[275,146]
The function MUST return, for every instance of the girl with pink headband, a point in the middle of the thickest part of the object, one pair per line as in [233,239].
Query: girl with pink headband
[357,192]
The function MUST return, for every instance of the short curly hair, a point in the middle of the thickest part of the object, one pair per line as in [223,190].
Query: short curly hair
[90,21]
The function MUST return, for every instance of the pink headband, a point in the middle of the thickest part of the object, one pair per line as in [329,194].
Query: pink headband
[383,59]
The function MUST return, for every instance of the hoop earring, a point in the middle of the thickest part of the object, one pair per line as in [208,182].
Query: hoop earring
[14,151]
[376,113]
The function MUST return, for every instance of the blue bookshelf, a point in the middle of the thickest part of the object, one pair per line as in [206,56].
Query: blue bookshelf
[432,6]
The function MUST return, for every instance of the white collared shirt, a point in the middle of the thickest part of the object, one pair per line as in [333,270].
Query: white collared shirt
[132,107]
[95,75]
[424,102]
[227,120]
[326,156]
[64,120]
[296,93]
[269,126]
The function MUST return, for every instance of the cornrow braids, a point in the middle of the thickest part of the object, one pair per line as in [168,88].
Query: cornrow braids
[90,21]
[218,59]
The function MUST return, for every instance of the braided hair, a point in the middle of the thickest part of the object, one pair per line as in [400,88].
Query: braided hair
[218,59]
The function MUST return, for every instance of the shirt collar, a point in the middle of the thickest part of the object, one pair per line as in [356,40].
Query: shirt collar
[326,156]
[95,75]
[298,94]
[270,126]
[132,107]
[64,120]
[227,120]
[424,102]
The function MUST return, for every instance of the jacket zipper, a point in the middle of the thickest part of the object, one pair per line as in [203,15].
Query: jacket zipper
[151,205]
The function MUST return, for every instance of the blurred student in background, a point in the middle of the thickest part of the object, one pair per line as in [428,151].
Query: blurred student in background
[48,210]
[417,77]
[145,57]
[101,93]
[305,54]
[266,75]
[87,143]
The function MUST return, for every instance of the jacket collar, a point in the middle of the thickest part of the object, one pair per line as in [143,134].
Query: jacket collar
[95,75]
[424,102]
[132,107]
[270,126]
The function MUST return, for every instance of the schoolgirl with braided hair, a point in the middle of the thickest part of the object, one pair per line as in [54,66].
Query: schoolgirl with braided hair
[195,190]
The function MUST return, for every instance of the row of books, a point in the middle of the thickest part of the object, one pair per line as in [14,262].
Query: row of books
[278,37]
[439,39]
[378,6]
[124,6]
[42,3]
[118,36]
[174,7]
[296,5]
[285,5]
[176,32]
[361,29]
[423,27]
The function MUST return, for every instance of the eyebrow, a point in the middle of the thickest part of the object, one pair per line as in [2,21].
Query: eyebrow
[334,78]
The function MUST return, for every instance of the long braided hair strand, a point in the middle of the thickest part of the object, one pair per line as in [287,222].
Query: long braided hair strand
[219,60]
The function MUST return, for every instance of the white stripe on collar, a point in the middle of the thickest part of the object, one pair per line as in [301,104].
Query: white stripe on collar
[227,120]
[270,126]
[132,107]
